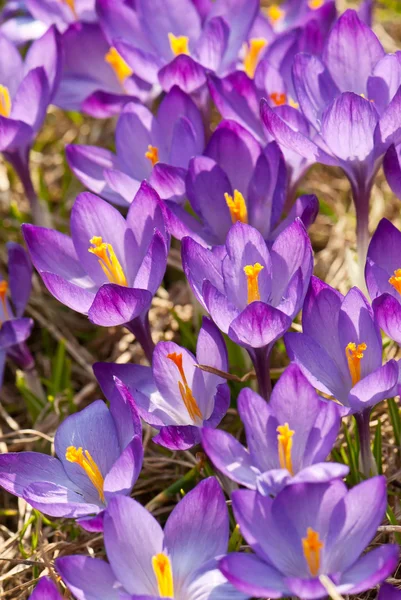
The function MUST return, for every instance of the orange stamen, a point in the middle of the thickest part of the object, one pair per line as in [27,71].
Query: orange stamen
[278,99]
[252,274]
[178,44]
[237,206]
[86,462]
[254,48]
[275,13]
[186,394]
[395,280]
[312,547]
[152,154]
[164,575]
[354,354]
[5,101]
[108,261]
[3,298]
[284,438]
[118,64]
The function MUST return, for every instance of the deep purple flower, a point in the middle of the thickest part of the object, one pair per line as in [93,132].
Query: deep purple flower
[100,456]
[96,79]
[310,530]
[383,278]
[151,147]
[252,292]
[288,439]
[236,181]
[166,43]
[174,396]
[145,561]
[388,592]
[351,104]
[110,267]
[392,162]
[62,13]
[45,590]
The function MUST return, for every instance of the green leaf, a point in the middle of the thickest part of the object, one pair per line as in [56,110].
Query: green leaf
[395,420]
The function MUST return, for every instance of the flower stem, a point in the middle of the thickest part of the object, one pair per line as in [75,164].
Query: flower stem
[366,458]
[23,358]
[141,329]
[261,361]
[361,195]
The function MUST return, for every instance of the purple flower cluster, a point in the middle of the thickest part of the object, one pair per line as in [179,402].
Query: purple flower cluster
[296,84]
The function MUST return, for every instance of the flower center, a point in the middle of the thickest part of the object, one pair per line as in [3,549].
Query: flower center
[395,280]
[178,44]
[3,298]
[85,461]
[186,394]
[162,568]
[315,4]
[284,439]
[5,101]
[252,274]
[71,5]
[108,261]
[275,13]
[118,64]
[354,354]
[237,206]
[254,48]
[312,546]
[152,154]
[278,99]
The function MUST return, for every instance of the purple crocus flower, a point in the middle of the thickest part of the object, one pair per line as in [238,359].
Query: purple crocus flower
[392,163]
[383,278]
[145,561]
[307,531]
[26,89]
[62,14]
[45,590]
[297,13]
[288,439]
[236,181]
[18,25]
[252,292]
[388,592]
[100,456]
[110,267]
[340,353]
[351,105]
[96,79]
[166,43]
[174,396]
[151,147]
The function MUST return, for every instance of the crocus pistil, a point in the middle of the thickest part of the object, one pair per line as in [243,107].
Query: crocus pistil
[395,280]
[3,296]
[108,261]
[275,13]
[186,393]
[312,547]
[237,206]
[354,354]
[178,44]
[254,48]
[284,438]
[84,459]
[152,154]
[162,568]
[252,275]
[118,64]
[5,101]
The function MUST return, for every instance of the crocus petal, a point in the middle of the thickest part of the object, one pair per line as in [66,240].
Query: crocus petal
[144,64]
[177,104]
[392,170]
[387,311]
[256,416]
[59,500]
[208,581]
[181,437]
[211,350]
[14,134]
[388,130]
[184,144]
[88,578]
[11,65]
[92,524]
[321,472]
[220,309]
[46,52]
[200,264]
[369,570]
[184,72]
[101,104]
[45,589]
[73,296]
[124,186]
[153,267]
[116,305]
[212,43]
[168,181]
[254,577]
[374,388]
[126,522]
[20,276]
[18,470]
[14,332]
[258,325]
[32,98]
[125,471]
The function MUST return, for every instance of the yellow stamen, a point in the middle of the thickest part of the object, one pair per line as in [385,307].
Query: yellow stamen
[293,103]
[108,261]
[3,297]
[152,154]
[354,354]
[178,44]
[315,4]
[395,280]
[284,439]
[312,547]
[5,101]
[278,99]
[118,64]
[254,48]
[252,274]
[237,206]
[86,462]
[186,394]
[162,568]
[275,13]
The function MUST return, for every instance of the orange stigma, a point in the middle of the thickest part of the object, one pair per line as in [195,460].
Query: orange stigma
[5,101]
[178,44]
[315,4]
[275,13]
[85,461]
[252,274]
[3,297]
[312,547]
[284,438]
[237,207]
[164,576]
[152,154]
[254,48]
[71,5]
[395,280]
[354,354]
[186,394]
[278,99]
[108,261]
[118,64]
